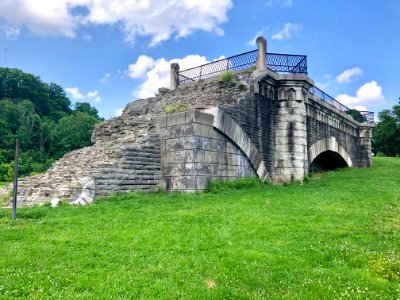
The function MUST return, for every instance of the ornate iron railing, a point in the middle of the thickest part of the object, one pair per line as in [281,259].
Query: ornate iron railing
[281,63]
[368,115]
[287,63]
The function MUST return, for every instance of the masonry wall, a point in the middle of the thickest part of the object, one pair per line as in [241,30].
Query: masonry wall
[256,113]
[184,151]
[194,152]
[325,122]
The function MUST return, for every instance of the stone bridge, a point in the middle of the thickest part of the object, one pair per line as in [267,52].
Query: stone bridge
[273,125]
[282,129]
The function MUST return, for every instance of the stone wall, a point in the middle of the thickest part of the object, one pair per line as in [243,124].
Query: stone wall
[325,121]
[258,124]
[194,152]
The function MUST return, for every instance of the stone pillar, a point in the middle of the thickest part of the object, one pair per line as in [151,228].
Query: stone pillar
[291,160]
[261,63]
[364,147]
[174,76]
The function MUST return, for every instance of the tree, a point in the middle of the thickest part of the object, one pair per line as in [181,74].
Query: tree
[72,132]
[40,115]
[356,115]
[386,135]
[85,107]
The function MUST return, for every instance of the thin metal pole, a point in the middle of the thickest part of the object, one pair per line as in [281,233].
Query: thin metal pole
[15,190]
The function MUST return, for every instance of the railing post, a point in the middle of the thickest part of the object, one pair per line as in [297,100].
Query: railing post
[261,63]
[174,76]
[15,186]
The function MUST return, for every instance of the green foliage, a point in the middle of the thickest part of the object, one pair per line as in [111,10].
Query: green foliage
[253,68]
[176,107]
[85,107]
[39,115]
[6,171]
[48,99]
[336,237]
[356,115]
[72,132]
[386,135]
[226,76]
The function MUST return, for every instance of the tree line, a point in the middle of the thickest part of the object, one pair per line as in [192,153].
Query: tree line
[386,135]
[42,117]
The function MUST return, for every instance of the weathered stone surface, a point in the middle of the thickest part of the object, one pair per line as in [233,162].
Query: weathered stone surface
[270,129]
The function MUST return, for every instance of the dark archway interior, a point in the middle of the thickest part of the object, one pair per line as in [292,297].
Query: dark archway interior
[326,161]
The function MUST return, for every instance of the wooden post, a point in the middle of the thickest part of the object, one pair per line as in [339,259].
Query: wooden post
[15,189]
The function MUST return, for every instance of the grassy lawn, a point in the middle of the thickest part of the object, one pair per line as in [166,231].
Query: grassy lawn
[3,184]
[335,237]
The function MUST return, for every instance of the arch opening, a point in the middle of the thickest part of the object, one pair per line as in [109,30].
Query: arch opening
[328,160]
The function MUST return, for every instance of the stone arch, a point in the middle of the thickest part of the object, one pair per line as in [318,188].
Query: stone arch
[233,131]
[328,144]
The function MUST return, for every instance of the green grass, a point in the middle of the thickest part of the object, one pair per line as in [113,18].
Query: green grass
[3,184]
[335,237]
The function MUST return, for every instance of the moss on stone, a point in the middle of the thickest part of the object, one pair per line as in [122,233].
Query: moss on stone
[174,108]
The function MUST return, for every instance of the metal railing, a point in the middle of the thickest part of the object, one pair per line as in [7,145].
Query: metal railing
[367,115]
[281,63]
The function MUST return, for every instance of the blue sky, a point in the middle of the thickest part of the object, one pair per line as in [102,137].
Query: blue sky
[111,53]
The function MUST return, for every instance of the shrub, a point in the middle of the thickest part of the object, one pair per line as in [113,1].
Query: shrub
[226,76]
[6,172]
[176,107]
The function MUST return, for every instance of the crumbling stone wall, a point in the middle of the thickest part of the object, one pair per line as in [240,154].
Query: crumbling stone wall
[126,153]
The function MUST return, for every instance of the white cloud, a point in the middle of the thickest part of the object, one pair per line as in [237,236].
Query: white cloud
[11,33]
[157,19]
[349,74]
[93,95]
[156,72]
[252,42]
[140,67]
[76,94]
[286,32]
[118,112]
[323,85]
[105,78]
[370,92]
[361,108]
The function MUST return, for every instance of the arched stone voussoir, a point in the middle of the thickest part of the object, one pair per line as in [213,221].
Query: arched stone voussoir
[235,133]
[328,144]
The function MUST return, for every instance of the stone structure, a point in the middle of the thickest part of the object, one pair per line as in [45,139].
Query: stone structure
[260,123]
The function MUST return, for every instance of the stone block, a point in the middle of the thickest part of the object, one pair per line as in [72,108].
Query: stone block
[210,157]
[176,119]
[183,183]
[202,182]
[204,131]
[203,118]
[204,169]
